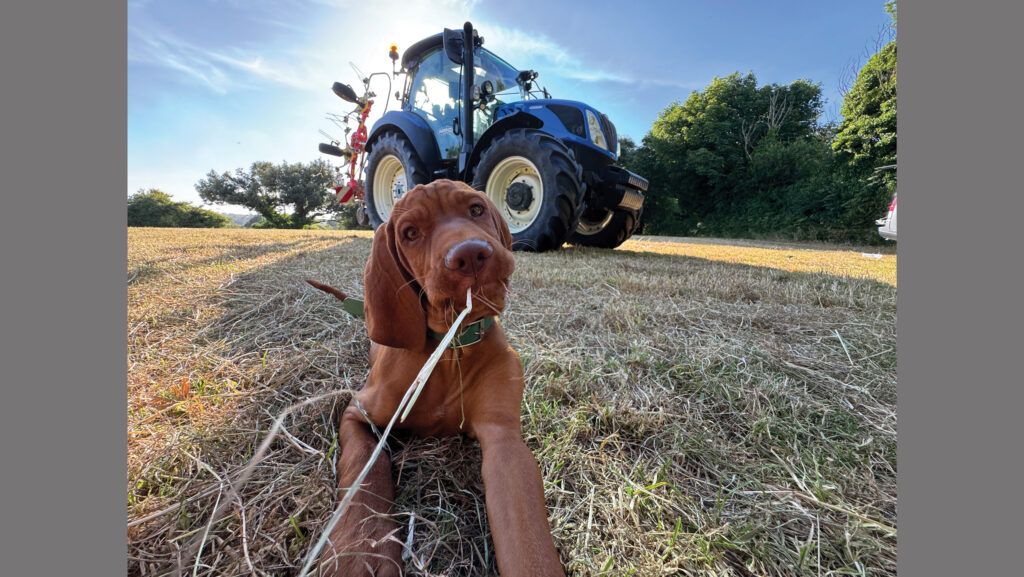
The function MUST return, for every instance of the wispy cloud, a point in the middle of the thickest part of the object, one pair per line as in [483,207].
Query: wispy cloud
[532,48]
[256,66]
[152,46]
[226,68]
[557,60]
[221,68]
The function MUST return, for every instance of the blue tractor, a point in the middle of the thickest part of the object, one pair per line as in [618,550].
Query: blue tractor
[549,165]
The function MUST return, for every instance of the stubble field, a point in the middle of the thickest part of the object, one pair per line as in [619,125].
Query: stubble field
[697,407]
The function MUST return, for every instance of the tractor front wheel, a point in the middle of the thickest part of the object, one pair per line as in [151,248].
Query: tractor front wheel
[607,230]
[535,182]
[392,169]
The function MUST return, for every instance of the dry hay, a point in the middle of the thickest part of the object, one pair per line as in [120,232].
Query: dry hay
[689,416]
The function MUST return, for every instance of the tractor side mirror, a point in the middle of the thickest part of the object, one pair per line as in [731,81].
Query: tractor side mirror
[345,92]
[453,45]
[526,78]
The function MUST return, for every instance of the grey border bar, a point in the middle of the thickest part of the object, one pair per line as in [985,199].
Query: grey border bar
[63,418]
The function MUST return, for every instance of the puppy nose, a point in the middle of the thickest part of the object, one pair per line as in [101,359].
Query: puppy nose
[468,257]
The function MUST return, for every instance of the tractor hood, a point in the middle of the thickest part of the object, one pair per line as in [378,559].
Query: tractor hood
[569,120]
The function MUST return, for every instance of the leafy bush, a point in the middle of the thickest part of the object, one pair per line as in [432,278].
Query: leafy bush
[742,160]
[156,208]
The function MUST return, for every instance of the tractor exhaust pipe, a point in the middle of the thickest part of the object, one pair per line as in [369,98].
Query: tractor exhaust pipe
[467,96]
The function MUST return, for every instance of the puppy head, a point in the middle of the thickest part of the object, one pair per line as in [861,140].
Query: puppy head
[441,239]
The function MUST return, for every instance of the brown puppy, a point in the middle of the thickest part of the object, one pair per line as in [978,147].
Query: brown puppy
[442,238]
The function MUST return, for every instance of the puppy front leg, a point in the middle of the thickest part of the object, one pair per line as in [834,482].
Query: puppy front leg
[514,492]
[360,544]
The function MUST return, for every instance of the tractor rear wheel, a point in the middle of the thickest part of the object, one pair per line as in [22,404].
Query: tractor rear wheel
[608,230]
[392,169]
[536,183]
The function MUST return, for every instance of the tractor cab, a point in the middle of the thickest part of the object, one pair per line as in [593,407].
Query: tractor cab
[434,91]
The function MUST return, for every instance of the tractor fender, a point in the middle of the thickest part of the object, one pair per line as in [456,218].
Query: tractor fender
[415,129]
[519,119]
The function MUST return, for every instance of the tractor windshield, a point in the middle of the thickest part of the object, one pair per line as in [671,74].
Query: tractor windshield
[487,66]
[500,73]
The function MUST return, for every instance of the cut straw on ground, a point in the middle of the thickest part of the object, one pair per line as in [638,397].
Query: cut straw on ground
[696,407]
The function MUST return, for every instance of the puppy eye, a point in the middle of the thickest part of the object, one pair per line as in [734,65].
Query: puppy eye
[411,233]
[476,209]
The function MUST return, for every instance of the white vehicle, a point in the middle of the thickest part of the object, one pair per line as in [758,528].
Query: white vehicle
[887,225]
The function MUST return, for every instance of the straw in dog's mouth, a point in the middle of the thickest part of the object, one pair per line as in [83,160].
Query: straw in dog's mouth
[486,305]
[424,374]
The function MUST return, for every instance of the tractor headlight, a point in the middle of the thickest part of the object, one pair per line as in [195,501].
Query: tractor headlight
[596,134]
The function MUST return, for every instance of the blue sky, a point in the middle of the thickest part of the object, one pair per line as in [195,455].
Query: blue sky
[220,84]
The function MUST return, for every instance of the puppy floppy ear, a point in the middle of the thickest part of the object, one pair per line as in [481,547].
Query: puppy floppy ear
[394,315]
[500,225]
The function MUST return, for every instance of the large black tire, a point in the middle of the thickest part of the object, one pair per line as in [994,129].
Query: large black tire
[536,183]
[392,168]
[607,231]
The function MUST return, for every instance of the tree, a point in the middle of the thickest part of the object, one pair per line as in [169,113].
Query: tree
[866,139]
[738,159]
[156,208]
[705,145]
[660,206]
[268,189]
[868,131]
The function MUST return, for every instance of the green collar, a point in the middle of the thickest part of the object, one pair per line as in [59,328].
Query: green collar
[471,334]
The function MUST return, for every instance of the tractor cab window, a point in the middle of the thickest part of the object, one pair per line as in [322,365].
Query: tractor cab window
[435,97]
